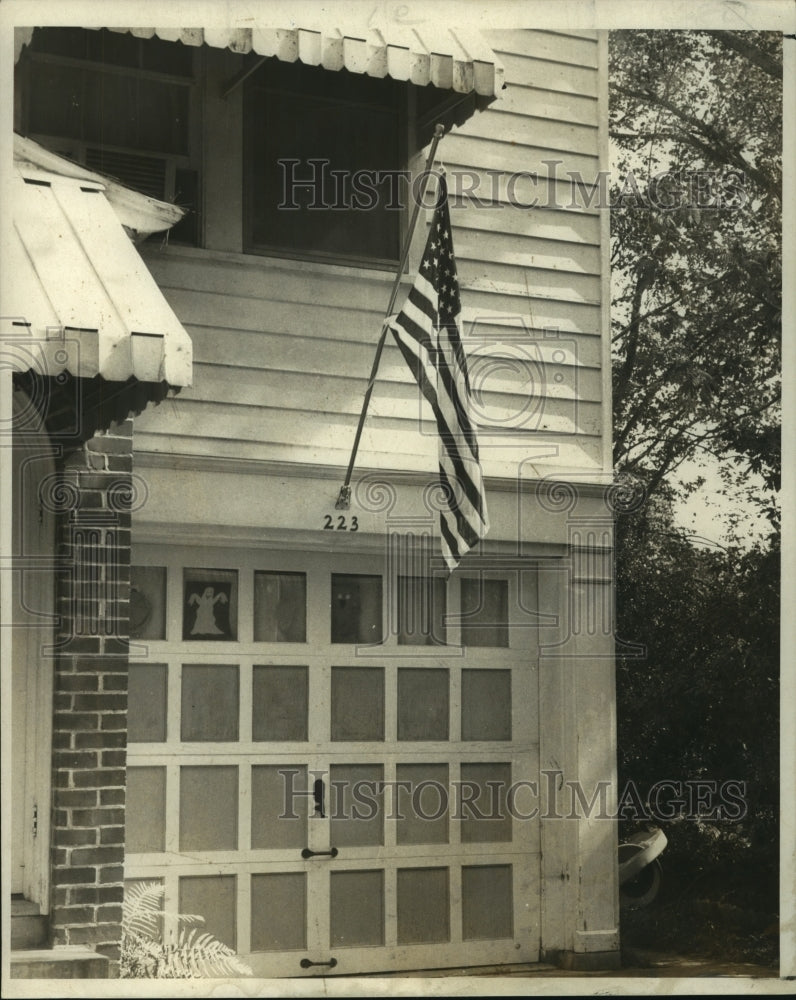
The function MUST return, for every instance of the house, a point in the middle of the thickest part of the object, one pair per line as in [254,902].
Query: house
[345,758]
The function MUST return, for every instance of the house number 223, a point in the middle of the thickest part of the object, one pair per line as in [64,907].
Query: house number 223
[342,523]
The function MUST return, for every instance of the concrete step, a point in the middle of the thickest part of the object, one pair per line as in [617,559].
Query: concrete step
[28,926]
[58,963]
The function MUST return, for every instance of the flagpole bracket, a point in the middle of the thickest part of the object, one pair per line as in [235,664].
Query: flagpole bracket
[344,500]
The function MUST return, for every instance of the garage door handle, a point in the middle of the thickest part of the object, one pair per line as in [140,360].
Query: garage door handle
[307,853]
[305,963]
[318,794]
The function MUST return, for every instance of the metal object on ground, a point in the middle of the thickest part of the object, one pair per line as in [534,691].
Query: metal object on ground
[639,868]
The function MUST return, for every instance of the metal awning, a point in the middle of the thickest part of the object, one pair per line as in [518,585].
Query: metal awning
[140,214]
[76,295]
[451,59]
[457,59]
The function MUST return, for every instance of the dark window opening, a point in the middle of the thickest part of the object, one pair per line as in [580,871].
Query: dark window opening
[325,159]
[123,106]
[115,49]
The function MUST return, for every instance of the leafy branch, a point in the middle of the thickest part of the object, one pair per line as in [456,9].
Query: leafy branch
[696,307]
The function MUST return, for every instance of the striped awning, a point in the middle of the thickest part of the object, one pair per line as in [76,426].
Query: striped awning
[76,296]
[457,59]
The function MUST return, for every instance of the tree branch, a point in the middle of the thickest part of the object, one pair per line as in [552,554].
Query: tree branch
[633,332]
[736,41]
[718,151]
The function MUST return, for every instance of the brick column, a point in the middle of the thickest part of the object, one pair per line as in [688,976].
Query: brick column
[94,491]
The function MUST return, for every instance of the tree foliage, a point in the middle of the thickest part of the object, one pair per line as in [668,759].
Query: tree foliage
[700,704]
[701,701]
[695,123]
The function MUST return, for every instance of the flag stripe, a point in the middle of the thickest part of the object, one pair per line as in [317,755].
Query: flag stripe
[470,484]
[449,541]
[419,369]
[462,517]
[427,333]
[467,474]
[410,324]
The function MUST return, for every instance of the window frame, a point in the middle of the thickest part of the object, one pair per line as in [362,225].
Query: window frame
[77,148]
[406,117]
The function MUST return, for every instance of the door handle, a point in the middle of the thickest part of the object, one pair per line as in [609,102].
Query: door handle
[307,853]
[305,963]
[318,794]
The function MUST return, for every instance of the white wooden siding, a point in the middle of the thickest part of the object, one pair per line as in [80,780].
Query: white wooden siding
[283,349]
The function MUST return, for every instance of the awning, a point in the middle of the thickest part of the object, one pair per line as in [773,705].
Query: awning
[457,59]
[140,214]
[76,295]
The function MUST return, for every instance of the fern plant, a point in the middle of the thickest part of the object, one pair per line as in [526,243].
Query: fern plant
[147,952]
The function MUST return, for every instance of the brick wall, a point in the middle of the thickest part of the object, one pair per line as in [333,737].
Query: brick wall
[90,693]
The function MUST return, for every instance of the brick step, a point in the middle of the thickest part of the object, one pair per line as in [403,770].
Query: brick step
[58,963]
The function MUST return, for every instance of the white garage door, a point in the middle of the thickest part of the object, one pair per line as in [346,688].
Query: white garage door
[323,758]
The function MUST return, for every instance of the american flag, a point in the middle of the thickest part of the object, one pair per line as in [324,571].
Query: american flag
[427,332]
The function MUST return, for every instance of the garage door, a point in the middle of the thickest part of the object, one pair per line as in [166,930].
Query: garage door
[328,760]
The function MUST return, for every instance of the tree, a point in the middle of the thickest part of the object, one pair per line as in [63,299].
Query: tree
[695,124]
[699,709]
[701,703]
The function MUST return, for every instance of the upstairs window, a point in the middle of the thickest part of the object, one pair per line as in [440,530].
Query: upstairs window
[121,105]
[322,169]
[325,156]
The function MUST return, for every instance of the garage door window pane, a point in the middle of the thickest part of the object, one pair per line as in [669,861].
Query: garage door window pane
[280,607]
[355,804]
[356,909]
[279,809]
[485,612]
[279,911]
[145,811]
[279,704]
[210,605]
[211,897]
[421,611]
[356,608]
[423,803]
[146,895]
[486,704]
[208,808]
[148,602]
[423,905]
[209,703]
[423,704]
[487,902]
[357,703]
[483,806]
[146,703]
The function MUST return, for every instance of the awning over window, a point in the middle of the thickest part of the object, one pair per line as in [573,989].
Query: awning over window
[455,59]
[76,295]
[452,59]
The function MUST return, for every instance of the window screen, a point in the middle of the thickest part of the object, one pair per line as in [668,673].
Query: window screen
[322,154]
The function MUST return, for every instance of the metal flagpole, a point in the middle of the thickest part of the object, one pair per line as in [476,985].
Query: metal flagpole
[344,499]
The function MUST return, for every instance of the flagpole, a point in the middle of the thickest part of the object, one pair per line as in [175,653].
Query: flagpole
[344,499]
